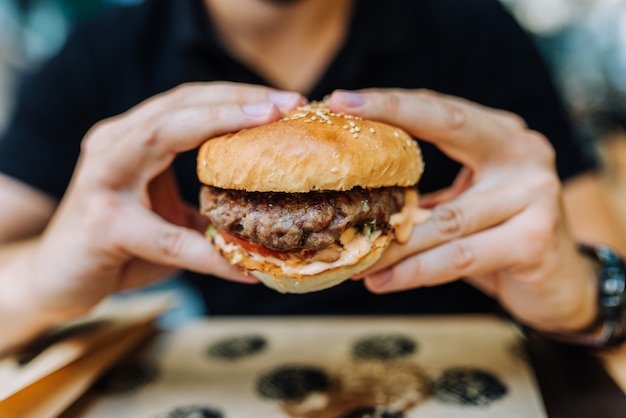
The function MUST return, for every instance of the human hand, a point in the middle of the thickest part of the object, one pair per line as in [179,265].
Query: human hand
[121,223]
[500,225]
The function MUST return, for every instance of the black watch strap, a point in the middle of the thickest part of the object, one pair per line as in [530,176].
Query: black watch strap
[610,329]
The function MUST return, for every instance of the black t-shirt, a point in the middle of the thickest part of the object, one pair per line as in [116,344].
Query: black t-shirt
[469,49]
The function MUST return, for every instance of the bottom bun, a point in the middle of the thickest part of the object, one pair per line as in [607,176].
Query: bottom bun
[297,276]
[320,281]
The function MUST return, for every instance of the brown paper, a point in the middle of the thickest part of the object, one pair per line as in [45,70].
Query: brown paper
[59,373]
[50,395]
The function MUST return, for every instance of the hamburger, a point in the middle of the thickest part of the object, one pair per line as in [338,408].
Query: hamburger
[310,200]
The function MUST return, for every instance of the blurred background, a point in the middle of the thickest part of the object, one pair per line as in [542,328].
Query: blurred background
[583,41]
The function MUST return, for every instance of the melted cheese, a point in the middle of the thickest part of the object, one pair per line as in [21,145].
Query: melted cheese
[410,215]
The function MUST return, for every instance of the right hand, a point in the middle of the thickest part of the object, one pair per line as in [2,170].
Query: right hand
[501,226]
[121,223]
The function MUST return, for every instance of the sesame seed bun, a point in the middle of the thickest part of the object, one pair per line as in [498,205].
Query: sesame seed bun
[311,149]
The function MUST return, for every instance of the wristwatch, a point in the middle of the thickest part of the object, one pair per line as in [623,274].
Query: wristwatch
[610,328]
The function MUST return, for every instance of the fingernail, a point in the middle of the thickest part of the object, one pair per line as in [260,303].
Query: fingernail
[285,100]
[351,99]
[257,109]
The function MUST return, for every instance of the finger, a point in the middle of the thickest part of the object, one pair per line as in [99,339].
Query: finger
[140,273]
[159,242]
[214,93]
[201,95]
[460,217]
[467,132]
[472,256]
[139,155]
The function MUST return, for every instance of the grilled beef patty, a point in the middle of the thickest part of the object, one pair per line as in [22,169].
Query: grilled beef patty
[298,221]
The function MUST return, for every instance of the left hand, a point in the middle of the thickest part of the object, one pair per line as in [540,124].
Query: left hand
[501,226]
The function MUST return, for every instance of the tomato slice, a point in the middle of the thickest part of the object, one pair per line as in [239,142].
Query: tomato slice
[252,247]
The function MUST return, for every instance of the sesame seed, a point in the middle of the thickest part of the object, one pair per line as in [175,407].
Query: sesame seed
[357,129]
[355,135]
[334,170]
[313,117]
[352,123]
[396,134]
[372,130]
[345,126]
[351,130]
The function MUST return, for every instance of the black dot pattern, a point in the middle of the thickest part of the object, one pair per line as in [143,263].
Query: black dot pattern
[126,378]
[468,387]
[373,412]
[291,383]
[237,348]
[383,347]
[194,412]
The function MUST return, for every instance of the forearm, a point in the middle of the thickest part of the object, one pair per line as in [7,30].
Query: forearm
[21,317]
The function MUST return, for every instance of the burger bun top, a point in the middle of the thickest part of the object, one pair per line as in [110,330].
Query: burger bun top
[311,149]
